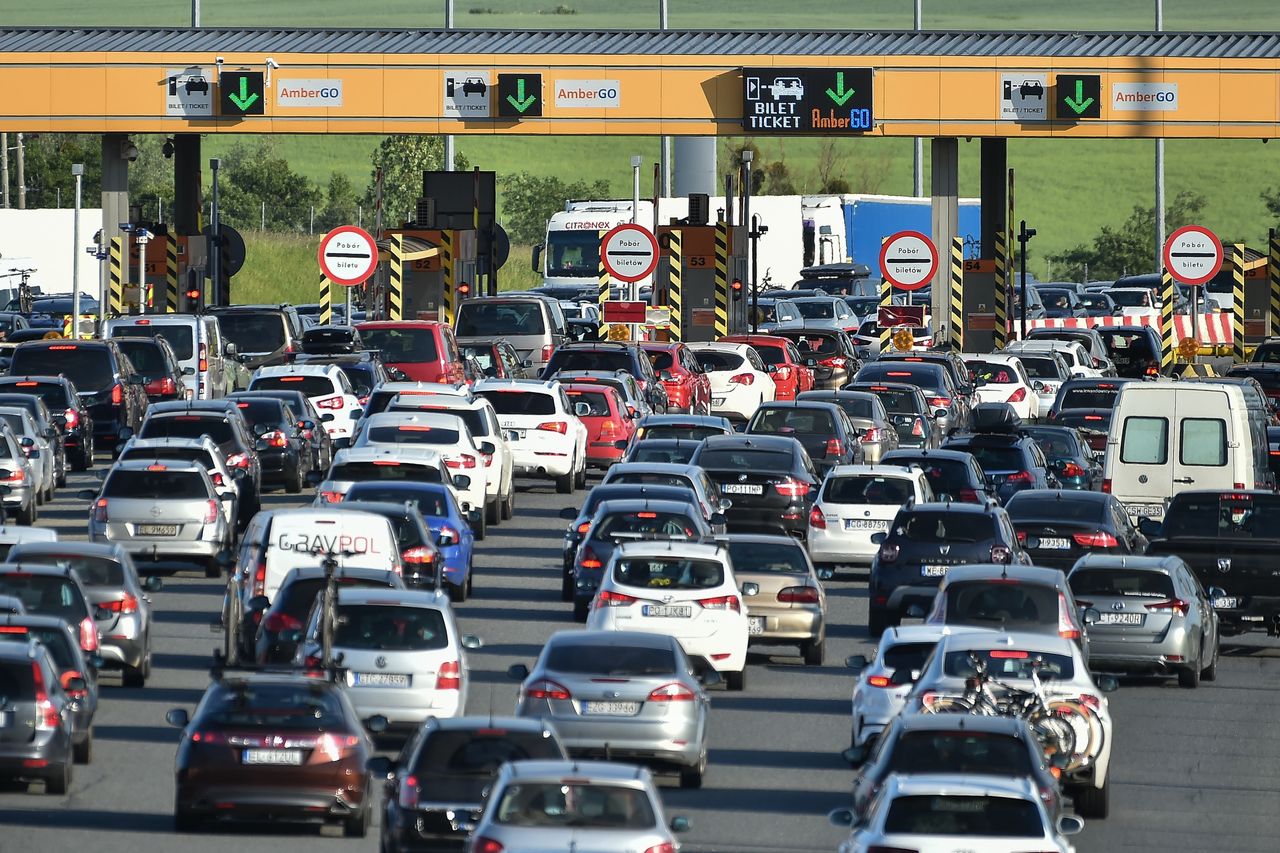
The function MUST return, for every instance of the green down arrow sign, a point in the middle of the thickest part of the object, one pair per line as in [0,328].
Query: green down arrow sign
[519,95]
[245,99]
[520,101]
[841,95]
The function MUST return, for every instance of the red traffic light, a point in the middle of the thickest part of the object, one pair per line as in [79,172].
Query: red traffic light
[193,294]
[463,288]
[736,287]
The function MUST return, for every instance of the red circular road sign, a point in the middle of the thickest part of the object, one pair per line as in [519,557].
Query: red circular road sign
[1193,255]
[629,252]
[348,255]
[908,260]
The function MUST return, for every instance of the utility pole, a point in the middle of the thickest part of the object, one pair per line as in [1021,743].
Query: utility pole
[1024,235]
[664,143]
[22,174]
[448,137]
[195,14]
[1160,223]
[918,161]
[215,241]
[4,167]
[77,170]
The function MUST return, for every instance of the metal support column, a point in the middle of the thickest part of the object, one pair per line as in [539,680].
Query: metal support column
[994,172]
[1273,278]
[115,185]
[945,187]
[395,278]
[602,293]
[886,301]
[326,300]
[957,295]
[117,275]
[187,207]
[171,274]
[675,267]
[1237,303]
[722,280]
[1167,299]
[448,266]
[1000,305]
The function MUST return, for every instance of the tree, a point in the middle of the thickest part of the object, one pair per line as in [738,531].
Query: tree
[151,177]
[340,203]
[529,200]
[252,173]
[1130,248]
[1271,198]
[49,157]
[402,160]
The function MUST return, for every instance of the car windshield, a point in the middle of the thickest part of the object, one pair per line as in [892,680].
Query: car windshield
[596,400]
[717,361]
[664,573]
[389,627]
[645,524]
[868,489]
[945,526]
[412,434]
[431,503]
[146,358]
[816,310]
[990,603]
[794,421]
[89,368]
[521,402]
[573,804]
[1224,516]
[500,318]
[45,594]
[216,427]
[179,337]
[293,707]
[609,660]
[155,484]
[1008,663]
[457,764]
[782,558]
[745,459]
[1122,582]
[401,345]
[253,332]
[998,817]
[589,360]
[384,470]
[91,571]
[312,386]
[960,752]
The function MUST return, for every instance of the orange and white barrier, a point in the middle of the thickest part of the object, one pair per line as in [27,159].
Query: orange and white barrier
[1211,329]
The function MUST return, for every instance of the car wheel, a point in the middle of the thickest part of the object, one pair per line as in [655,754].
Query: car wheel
[877,622]
[813,652]
[60,781]
[80,461]
[1091,802]
[1210,672]
[1189,678]
[691,777]
[581,481]
[493,512]
[564,484]
[509,503]
[184,821]
[566,587]
[736,681]
[358,826]
[471,578]
[135,676]
[581,607]
[61,480]
[478,526]
[27,516]
[293,484]
[457,593]
[212,569]
[83,752]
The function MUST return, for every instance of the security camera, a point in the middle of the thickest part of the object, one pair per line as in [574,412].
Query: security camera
[128,151]
[271,63]
[219,60]
[167,149]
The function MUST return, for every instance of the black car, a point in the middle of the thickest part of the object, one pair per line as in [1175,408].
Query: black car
[261,334]
[331,340]
[1273,451]
[610,355]
[1068,454]
[283,453]
[222,421]
[953,363]
[497,357]
[580,519]
[55,398]
[103,377]
[1010,459]
[1135,350]
[831,351]
[839,279]
[945,399]
[1267,377]
[908,410]
[280,626]
[663,450]
[317,437]
[37,742]
[826,432]
[769,479]
[1057,527]
[155,360]
[924,541]
[1061,302]
[439,782]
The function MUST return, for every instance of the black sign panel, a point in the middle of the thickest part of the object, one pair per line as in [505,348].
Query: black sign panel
[241,93]
[1078,96]
[807,100]
[519,95]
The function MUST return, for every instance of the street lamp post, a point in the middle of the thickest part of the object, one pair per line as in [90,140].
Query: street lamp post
[77,169]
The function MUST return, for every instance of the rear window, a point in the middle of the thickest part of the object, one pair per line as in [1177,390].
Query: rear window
[1000,817]
[177,454]
[795,421]
[1089,397]
[54,394]
[520,402]
[660,573]
[179,337]
[301,594]
[580,806]
[768,354]
[643,524]
[388,627]
[856,407]
[46,595]
[610,660]
[255,706]
[413,434]
[500,318]
[647,478]
[430,504]
[810,344]
[899,402]
[910,656]
[997,458]
[145,357]
[1228,515]
[879,491]
[1203,442]
[1009,663]
[89,368]
[923,376]
[1033,506]
[1040,368]
[358,471]
[715,361]
[54,639]
[170,485]
[17,683]
[1145,440]
[449,754]
[402,345]
[746,459]
[188,426]
[483,354]
[590,360]
[960,752]
[784,558]
[1122,582]
[473,418]
[312,386]
[253,332]
[661,360]
[1127,344]
[1000,605]
[598,403]
[953,527]
[267,412]
[1053,444]
[648,451]
[692,432]
[815,310]
[91,571]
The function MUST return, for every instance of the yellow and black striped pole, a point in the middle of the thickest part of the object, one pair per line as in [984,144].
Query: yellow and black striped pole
[395,278]
[1273,278]
[675,267]
[171,275]
[448,265]
[1167,298]
[957,294]
[602,294]
[886,301]
[722,279]
[326,300]
[115,278]
[1000,335]
[1237,302]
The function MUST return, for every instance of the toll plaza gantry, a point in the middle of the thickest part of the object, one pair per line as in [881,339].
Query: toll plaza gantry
[945,85]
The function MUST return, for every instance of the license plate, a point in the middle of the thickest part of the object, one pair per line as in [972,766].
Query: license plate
[930,571]
[755,625]
[1147,510]
[157,530]
[1120,618]
[1226,602]
[864,524]
[381,679]
[611,709]
[1055,544]
[717,401]
[668,611]
[742,489]
[289,757]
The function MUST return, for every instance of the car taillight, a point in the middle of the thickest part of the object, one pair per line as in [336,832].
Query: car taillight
[608,428]
[100,511]
[276,438]
[73,418]
[407,794]
[743,379]
[940,402]
[721,602]
[1100,539]
[664,847]
[583,528]
[329,403]
[204,358]
[1106,486]
[260,579]
[969,496]
[1153,369]
[547,689]
[1017,396]
[217,479]
[673,692]
[1001,554]
[589,559]
[799,595]
[888,552]
[1019,477]
[817,519]
[1022,537]
[419,555]
[278,622]
[836,361]
[561,427]
[792,488]
[238,460]
[614,599]
[329,748]
[465,460]
[117,394]
[331,497]
[546,352]
[211,511]
[128,604]
[1071,469]
[482,844]
[1066,628]
[835,447]
[15,476]
[1170,604]
[449,676]
[47,717]
[88,634]
[880,681]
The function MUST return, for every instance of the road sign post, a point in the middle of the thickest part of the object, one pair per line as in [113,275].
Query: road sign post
[348,255]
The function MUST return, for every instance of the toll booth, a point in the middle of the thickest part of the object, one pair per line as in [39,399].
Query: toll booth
[423,272]
[1257,292]
[700,278]
[169,269]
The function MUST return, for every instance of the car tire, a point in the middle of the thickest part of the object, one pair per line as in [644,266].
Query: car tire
[691,777]
[877,622]
[736,681]
[60,782]
[566,587]
[83,752]
[813,652]
[581,607]
[293,485]
[479,528]
[581,481]
[185,821]
[1093,803]
[509,503]
[212,569]
[564,484]
[28,515]
[81,460]
[1189,678]
[61,480]
[493,512]
[358,826]
[1210,672]
[135,676]
[458,593]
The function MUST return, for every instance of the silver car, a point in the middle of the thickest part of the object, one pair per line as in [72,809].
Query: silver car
[117,596]
[49,468]
[624,694]
[203,451]
[539,806]
[1153,616]
[878,696]
[19,482]
[161,511]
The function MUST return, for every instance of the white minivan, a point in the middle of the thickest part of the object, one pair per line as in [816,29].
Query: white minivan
[1168,437]
[197,342]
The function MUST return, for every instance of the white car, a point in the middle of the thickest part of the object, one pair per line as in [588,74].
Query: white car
[389,462]
[944,813]
[857,502]
[1135,301]
[545,430]
[682,589]
[740,380]
[38,449]
[877,696]
[1001,378]
[1047,371]
[324,384]
[447,434]
[482,420]
[1079,362]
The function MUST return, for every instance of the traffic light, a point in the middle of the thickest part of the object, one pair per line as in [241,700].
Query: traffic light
[464,290]
[735,287]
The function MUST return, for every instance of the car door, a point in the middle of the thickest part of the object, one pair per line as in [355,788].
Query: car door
[214,380]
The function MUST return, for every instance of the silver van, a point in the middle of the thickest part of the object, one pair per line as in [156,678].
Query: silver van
[534,325]
[197,341]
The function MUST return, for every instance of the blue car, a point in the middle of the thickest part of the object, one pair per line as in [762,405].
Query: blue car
[446,520]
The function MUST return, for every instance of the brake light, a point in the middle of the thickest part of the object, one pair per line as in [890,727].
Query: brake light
[88,634]
[1106,486]
[673,692]
[721,602]
[1002,654]
[407,795]
[664,847]
[238,460]
[117,394]
[211,511]
[449,676]
[1170,604]
[546,356]
[1152,369]
[260,579]
[1093,417]
[561,427]
[1071,469]
[276,438]
[817,519]
[1017,396]
[583,528]
[969,496]
[100,511]
[279,622]
[835,447]
[47,716]
[799,595]
[1022,537]
[547,689]
[73,418]
[1101,539]
[129,604]
[606,598]
[888,553]
[466,460]
[419,555]
[16,476]
[792,488]
[743,379]
[1001,554]
[939,402]
[879,681]
[482,844]
[1019,477]
[331,497]
[328,402]
[607,428]
[589,560]
[65,679]
[204,358]
[874,434]
[1066,628]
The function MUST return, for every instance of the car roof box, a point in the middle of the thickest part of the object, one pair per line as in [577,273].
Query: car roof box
[995,417]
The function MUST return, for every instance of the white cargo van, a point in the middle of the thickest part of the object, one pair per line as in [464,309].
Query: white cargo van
[196,340]
[1168,437]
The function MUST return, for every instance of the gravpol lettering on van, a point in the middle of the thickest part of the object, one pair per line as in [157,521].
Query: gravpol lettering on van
[308,93]
[588,94]
[1144,97]
[313,543]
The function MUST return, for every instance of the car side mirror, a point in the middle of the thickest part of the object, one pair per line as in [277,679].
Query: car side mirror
[75,684]
[568,513]
[356,414]
[152,583]
[718,519]
[261,445]
[526,363]
[842,818]
[902,677]
[1215,592]
[855,755]
[27,441]
[878,538]
[939,413]
[517,672]
[471,641]
[462,481]
[665,376]
[83,494]
[1150,527]
[380,766]
[857,663]
[341,443]
[177,717]
[810,362]
[306,424]
[290,635]
[581,409]
[621,444]
[259,602]
[771,368]
[315,478]
[137,380]
[1069,824]
[230,349]
[1037,385]
[749,589]
[1108,683]
[1091,616]
[260,429]
[680,823]
[377,724]
[188,371]
[725,504]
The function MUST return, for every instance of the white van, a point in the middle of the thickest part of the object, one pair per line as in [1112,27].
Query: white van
[196,340]
[1168,437]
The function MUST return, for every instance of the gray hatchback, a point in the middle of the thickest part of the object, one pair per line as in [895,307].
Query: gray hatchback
[36,740]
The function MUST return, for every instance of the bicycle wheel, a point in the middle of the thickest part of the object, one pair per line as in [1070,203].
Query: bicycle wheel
[947,705]
[1084,722]
[1058,738]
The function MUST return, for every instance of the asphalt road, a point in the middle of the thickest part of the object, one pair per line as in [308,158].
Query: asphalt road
[1193,770]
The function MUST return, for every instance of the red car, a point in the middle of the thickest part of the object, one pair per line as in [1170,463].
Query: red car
[688,386]
[423,350]
[609,425]
[790,376]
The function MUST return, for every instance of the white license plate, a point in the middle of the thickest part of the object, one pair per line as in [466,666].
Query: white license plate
[1226,602]
[1145,510]
[755,625]
[289,757]
[742,489]
[1121,618]
[157,530]
[864,524]
[930,571]
[668,611]
[1055,544]
[611,709]
[381,679]
[717,401]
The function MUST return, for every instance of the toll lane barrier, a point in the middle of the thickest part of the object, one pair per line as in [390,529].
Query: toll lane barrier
[1212,329]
